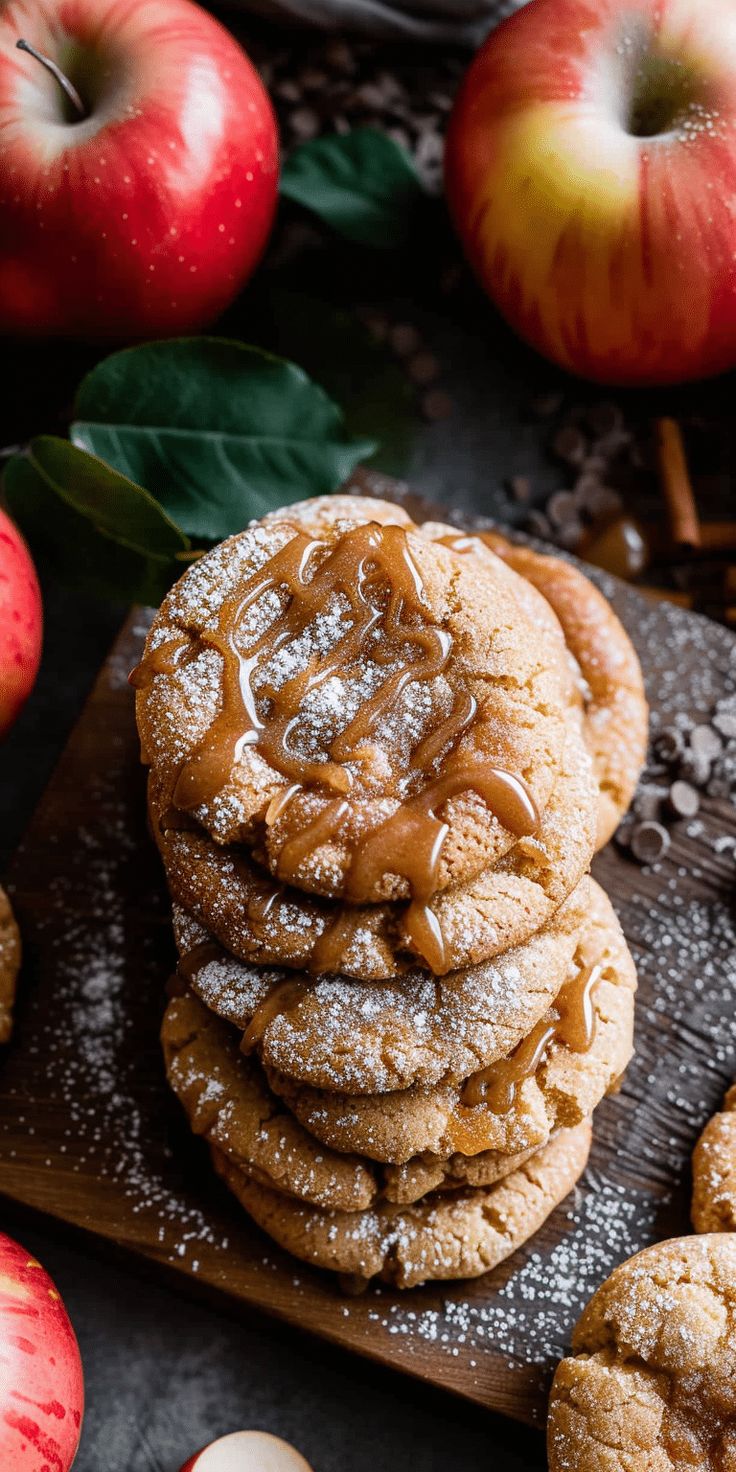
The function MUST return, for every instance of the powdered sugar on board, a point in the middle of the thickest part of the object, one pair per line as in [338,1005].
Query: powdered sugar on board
[89,1131]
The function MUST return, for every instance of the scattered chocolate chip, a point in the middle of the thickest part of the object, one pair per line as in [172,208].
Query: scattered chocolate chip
[705,742]
[545,406]
[404,339]
[537,525]
[423,368]
[647,803]
[437,404]
[339,56]
[603,418]
[669,745]
[520,487]
[683,800]
[695,768]
[562,508]
[649,842]
[570,535]
[600,502]
[725,722]
[569,445]
[305,122]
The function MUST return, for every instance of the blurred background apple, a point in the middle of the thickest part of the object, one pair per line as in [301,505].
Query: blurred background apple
[591,174]
[21,622]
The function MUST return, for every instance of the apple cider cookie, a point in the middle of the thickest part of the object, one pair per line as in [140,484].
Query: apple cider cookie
[459,1234]
[334,1032]
[10,951]
[227,1101]
[555,1077]
[651,1385]
[714,1172]
[606,665]
[274,924]
[323,700]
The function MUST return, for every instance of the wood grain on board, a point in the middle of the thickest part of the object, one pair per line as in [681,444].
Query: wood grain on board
[91,1137]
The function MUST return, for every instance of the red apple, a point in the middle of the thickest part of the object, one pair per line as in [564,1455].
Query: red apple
[247,1451]
[21,622]
[591,173]
[41,1385]
[143,214]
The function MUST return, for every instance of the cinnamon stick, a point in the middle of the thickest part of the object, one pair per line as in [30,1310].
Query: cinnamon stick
[718,536]
[677,487]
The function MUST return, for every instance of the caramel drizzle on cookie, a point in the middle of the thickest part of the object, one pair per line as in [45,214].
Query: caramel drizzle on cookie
[371,567]
[282,998]
[571,1021]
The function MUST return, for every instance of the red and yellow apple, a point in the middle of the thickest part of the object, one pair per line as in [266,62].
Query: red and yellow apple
[21,622]
[247,1451]
[591,174]
[140,208]
[41,1384]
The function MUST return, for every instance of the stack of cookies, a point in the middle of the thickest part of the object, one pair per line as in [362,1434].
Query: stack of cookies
[381,758]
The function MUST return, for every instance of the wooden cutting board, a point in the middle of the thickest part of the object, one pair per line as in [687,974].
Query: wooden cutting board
[91,1137]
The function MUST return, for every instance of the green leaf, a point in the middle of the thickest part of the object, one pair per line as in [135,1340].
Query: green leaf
[377,397]
[96,529]
[361,183]
[219,432]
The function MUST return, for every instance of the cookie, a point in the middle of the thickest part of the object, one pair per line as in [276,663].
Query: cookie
[714,1172]
[555,1077]
[616,717]
[502,908]
[10,954]
[454,1235]
[369,716]
[227,1101]
[652,1384]
[378,1036]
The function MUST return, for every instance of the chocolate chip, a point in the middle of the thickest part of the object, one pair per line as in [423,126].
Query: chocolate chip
[683,800]
[669,745]
[305,122]
[649,842]
[705,742]
[437,404]
[725,723]
[604,417]
[562,508]
[695,768]
[600,501]
[570,535]
[520,487]
[537,525]
[569,445]
[647,803]
[404,339]
[545,406]
[423,368]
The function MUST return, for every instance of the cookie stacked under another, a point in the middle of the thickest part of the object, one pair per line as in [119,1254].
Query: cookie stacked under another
[381,758]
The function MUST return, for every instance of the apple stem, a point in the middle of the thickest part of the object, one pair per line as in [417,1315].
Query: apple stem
[56,71]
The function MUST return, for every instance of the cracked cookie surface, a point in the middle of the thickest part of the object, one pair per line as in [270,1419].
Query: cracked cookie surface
[558,1088]
[455,1235]
[227,1101]
[714,1172]
[369,662]
[499,909]
[651,1385]
[335,1032]
[607,669]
